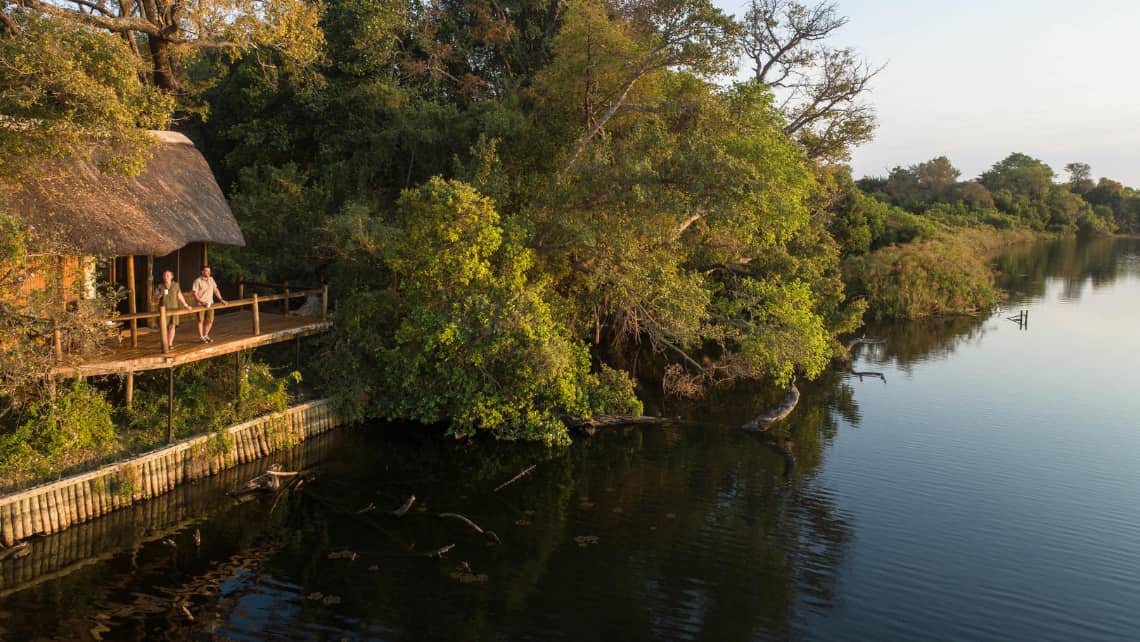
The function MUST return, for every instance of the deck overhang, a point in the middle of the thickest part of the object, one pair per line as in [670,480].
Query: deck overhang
[231,333]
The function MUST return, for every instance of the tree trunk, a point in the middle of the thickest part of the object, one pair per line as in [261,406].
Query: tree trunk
[161,64]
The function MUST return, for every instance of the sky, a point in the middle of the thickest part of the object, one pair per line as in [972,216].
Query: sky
[978,80]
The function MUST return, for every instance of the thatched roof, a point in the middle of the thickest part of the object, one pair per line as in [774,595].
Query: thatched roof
[174,202]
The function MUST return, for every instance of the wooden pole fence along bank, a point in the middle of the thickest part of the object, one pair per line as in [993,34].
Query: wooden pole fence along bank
[51,508]
[166,516]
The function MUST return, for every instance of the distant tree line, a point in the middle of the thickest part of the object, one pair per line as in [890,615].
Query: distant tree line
[1018,190]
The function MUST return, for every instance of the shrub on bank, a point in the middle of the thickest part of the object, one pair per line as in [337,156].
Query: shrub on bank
[81,428]
[53,434]
[944,276]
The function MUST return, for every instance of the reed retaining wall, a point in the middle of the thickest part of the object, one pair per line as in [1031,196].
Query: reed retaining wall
[51,508]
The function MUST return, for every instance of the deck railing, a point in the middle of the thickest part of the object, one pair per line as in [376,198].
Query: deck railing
[163,315]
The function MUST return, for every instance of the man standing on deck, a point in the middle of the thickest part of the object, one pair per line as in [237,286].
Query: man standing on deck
[205,288]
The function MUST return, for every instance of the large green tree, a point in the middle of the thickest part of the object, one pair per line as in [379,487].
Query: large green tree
[444,324]
[173,33]
[67,91]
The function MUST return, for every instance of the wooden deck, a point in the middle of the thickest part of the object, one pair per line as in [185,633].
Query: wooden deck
[232,332]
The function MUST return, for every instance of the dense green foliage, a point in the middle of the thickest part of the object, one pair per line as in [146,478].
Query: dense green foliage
[522,207]
[467,337]
[66,92]
[616,209]
[55,433]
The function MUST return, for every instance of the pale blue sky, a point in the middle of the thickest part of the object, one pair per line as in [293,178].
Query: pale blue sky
[976,81]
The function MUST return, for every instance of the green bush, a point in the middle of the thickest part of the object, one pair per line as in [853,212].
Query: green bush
[939,277]
[55,434]
[204,399]
[461,336]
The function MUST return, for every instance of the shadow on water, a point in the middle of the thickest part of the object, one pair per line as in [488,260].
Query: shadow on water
[694,531]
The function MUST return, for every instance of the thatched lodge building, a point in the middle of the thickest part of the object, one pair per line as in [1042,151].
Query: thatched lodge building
[163,219]
[126,231]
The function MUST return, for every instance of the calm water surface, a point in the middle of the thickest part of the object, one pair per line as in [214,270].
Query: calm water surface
[987,487]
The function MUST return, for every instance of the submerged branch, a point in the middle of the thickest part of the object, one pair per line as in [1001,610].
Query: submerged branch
[591,424]
[765,421]
[514,479]
[490,536]
[403,510]
[439,552]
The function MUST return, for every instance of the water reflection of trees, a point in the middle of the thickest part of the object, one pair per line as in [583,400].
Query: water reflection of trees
[906,344]
[1077,262]
[699,532]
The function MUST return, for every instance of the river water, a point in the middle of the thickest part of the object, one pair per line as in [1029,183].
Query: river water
[984,486]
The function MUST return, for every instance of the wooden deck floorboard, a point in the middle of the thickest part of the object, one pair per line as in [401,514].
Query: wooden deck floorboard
[232,332]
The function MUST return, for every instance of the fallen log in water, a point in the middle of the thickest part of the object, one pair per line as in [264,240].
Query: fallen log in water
[591,425]
[15,552]
[490,536]
[513,479]
[874,375]
[403,510]
[439,552]
[269,480]
[765,421]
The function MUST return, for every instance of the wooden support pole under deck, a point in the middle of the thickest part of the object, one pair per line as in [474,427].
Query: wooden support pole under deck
[130,391]
[285,301]
[162,327]
[256,317]
[132,300]
[170,409]
[241,287]
[57,339]
[325,303]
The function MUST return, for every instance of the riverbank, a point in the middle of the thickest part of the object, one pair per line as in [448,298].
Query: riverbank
[53,507]
[947,274]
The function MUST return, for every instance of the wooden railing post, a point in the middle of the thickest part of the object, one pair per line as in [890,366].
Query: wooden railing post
[325,303]
[285,301]
[57,339]
[256,317]
[241,287]
[162,324]
[132,302]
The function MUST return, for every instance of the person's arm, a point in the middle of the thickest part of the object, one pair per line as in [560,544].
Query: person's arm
[194,293]
[218,293]
[182,299]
